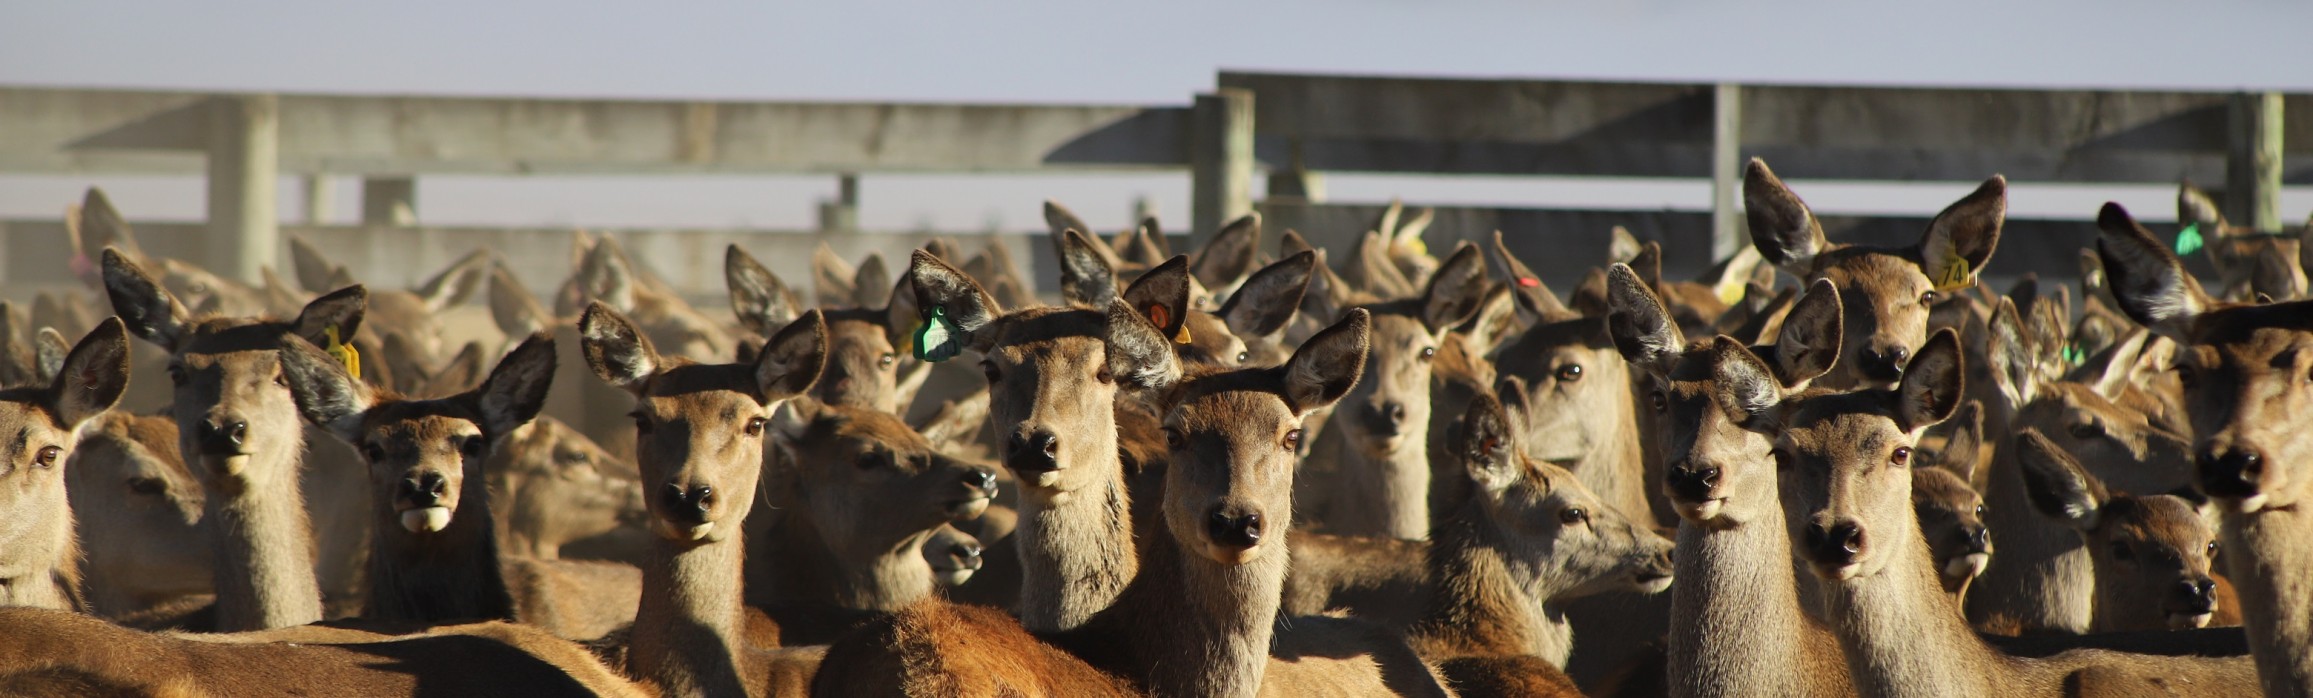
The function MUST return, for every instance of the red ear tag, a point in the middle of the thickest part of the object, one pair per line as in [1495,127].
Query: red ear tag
[1529,282]
[1159,316]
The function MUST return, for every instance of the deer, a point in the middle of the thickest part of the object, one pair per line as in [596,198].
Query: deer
[41,567]
[2239,365]
[238,426]
[1739,626]
[1848,455]
[2250,264]
[700,434]
[2151,554]
[1887,292]
[2042,579]
[551,486]
[433,545]
[1951,516]
[866,344]
[953,555]
[138,513]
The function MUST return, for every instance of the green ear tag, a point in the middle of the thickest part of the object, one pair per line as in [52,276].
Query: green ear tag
[2188,240]
[2073,355]
[936,338]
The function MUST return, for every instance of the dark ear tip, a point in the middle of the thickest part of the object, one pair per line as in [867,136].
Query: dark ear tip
[1756,166]
[1998,184]
[2114,218]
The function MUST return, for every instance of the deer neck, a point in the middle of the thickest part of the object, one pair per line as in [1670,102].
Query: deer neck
[1900,633]
[264,544]
[2042,577]
[451,574]
[1190,626]
[1380,494]
[881,577]
[2267,558]
[1742,628]
[1615,467]
[1487,601]
[686,631]
[1076,548]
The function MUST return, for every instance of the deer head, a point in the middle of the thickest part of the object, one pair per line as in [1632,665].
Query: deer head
[39,558]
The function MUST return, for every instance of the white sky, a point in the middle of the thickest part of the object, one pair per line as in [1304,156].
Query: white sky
[1152,52]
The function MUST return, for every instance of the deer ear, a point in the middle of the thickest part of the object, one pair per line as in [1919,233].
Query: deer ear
[48,352]
[2056,484]
[516,389]
[1648,263]
[1932,383]
[1641,329]
[1139,354]
[762,302]
[340,310]
[1784,230]
[1487,445]
[1966,442]
[791,422]
[1329,364]
[871,285]
[605,276]
[1162,296]
[954,298]
[1743,385]
[461,373]
[2196,207]
[1268,299]
[792,360]
[1536,304]
[1959,242]
[831,277]
[1230,255]
[618,353]
[512,307]
[1621,246]
[93,376]
[456,283]
[312,268]
[1086,279]
[2149,282]
[144,306]
[326,395]
[2010,351]
[1808,343]
[1456,290]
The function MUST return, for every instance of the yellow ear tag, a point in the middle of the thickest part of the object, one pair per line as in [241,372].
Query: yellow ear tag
[1955,274]
[1415,243]
[1182,337]
[344,352]
[1731,294]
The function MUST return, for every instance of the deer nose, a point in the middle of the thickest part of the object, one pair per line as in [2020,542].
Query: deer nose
[1692,483]
[1034,452]
[2232,474]
[2197,594]
[222,437]
[982,480]
[1978,538]
[1885,364]
[969,553]
[1236,530]
[425,490]
[687,504]
[1836,544]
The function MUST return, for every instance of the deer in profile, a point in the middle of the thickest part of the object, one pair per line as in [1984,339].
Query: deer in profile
[2151,554]
[551,486]
[1738,626]
[1849,457]
[138,513]
[238,426]
[700,434]
[1886,293]
[2242,369]
[2250,264]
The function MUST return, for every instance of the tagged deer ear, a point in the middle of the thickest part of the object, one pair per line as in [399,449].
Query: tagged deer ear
[326,396]
[1162,296]
[1782,227]
[618,353]
[93,376]
[1808,343]
[947,296]
[792,360]
[2056,484]
[760,300]
[2196,207]
[147,309]
[1932,383]
[2148,281]
[339,311]
[1536,304]
[1960,241]
[516,389]
[1329,364]
[1641,329]
[1486,445]
[1139,354]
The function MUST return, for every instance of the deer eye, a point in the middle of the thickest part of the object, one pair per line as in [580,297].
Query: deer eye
[1293,440]
[755,426]
[1661,403]
[1979,511]
[372,452]
[886,360]
[1174,439]
[148,486]
[1244,356]
[471,446]
[1573,515]
[47,456]
[1105,376]
[2087,430]
[2121,552]
[2185,375]
[1570,373]
[642,424]
[1901,456]
[176,374]
[1429,353]
[988,368]
[2212,548]
[1928,298]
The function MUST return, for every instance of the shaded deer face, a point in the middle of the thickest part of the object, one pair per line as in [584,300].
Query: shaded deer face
[2152,558]
[1885,300]
[954,556]
[1049,381]
[555,486]
[1717,474]
[2123,445]
[868,480]
[2245,385]
[1571,533]
[1392,399]
[232,407]
[862,365]
[1577,386]
[419,458]
[138,507]
[1951,517]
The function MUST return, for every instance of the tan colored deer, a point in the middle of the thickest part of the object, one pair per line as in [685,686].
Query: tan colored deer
[1738,625]
[2151,554]
[551,486]
[701,431]
[138,512]
[41,564]
[954,556]
[867,366]
[1849,460]
[238,426]
[2250,264]
[2243,370]
[1885,292]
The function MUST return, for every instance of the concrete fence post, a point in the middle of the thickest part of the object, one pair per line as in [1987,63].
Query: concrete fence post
[244,182]
[389,201]
[2253,161]
[1727,234]
[1220,161]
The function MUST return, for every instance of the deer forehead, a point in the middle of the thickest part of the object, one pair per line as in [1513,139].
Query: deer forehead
[1882,275]
[1233,409]
[1547,345]
[27,424]
[848,332]
[426,424]
[2166,521]
[1847,429]
[1945,489]
[862,430]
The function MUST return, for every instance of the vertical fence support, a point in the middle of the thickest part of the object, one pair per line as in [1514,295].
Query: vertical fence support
[2253,161]
[1220,161]
[1726,170]
[244,182]
[391,201]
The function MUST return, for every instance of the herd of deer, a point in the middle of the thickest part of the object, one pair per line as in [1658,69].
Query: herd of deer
[1227,473]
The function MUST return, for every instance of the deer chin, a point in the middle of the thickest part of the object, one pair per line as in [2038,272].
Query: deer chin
[683,533]
[2188,621]
[1231,555]
[1700,512]
[233,465]
[952,576]
[1967,566]
[965,509]
[2254,503]
[426,519]
[1837,573]
[1651,581]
